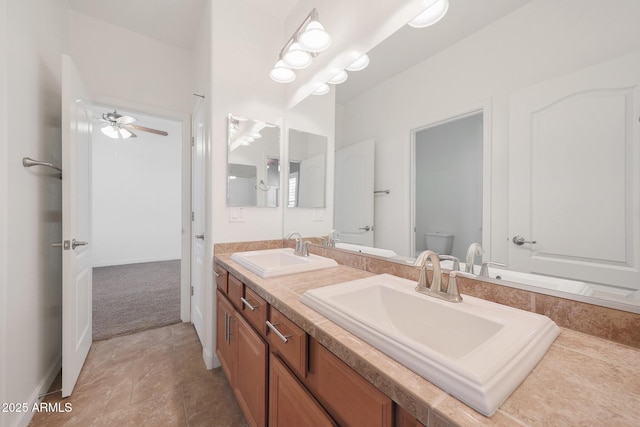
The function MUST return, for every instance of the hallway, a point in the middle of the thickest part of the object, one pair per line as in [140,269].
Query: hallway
[152,378]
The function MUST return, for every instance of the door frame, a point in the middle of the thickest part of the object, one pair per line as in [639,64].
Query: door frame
[485,109]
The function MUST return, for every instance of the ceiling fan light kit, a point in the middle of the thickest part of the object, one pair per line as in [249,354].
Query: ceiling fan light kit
[118,126]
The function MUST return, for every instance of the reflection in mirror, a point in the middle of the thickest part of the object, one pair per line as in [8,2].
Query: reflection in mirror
[307,170]
[253,163]
[448,185]
[548,103]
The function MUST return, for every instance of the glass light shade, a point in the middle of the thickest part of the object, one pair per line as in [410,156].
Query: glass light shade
[431,15]
[124,133]
[281,74]
[323,89]
[110,131]
[341,77]
[360,63]
[296,57]
[314,38]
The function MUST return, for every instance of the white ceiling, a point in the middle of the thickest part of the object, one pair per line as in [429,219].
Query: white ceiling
[176,22]
[410,46]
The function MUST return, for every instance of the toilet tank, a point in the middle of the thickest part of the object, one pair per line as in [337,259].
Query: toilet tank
[439,242]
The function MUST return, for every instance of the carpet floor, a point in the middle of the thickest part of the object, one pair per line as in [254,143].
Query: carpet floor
[135,297]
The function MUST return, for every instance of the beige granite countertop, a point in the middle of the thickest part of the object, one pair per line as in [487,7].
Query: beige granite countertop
[581,381]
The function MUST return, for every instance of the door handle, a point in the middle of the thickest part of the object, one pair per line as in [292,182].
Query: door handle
[199,236]
[75,243]
[365,228]
[519,240]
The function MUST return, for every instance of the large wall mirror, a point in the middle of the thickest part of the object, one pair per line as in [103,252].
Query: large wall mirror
[253,163]
[307,178]
[536,90]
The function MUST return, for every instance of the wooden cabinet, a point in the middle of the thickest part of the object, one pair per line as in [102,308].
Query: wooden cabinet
[251,374]
[255,310]
[226,331]
[288,341]
[221,278]
[349,398]
[282,377]
[290,404]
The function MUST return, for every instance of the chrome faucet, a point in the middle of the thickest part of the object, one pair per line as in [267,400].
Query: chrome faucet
[434,288]
[331,239]
[474,249]
[301,247]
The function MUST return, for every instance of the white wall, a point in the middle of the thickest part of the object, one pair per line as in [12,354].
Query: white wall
[539,41]
[32,41]
[246,40]
[136,193]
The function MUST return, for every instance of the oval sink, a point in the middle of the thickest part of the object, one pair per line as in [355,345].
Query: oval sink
[279,262]
[476,350]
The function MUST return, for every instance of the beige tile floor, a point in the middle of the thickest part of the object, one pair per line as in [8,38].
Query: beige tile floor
[152,378]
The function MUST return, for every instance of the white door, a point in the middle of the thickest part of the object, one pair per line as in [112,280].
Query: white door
[574,168]
[198,223]
[353,216]
[76,225]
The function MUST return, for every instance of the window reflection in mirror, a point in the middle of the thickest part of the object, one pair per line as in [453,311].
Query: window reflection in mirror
[253,162]
[307,170]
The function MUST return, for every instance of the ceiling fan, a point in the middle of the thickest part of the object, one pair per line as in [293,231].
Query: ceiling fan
[119,126]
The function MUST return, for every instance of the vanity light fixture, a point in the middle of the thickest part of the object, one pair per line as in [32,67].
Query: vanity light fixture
[323,89]
[359,64]
[433,12]
[340,77]
[306,42]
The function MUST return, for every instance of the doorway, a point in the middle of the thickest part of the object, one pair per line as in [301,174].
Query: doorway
[448,185]
[136,187]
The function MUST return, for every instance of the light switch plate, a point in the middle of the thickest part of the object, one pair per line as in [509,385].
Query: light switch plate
[237,214]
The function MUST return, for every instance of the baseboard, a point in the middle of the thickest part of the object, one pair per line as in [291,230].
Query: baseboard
[23,419]
[211,361]
[132,261]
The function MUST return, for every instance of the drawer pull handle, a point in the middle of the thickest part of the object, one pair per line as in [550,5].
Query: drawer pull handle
[216,273]
[275,330]
[247,303]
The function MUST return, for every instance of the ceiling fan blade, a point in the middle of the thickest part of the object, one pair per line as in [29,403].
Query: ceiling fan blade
[125,120]
[156,131]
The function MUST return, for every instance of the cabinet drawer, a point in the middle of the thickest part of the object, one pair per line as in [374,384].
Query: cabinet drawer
[254,309]
[287,340]
[221,278]
[350,399]
[235,291]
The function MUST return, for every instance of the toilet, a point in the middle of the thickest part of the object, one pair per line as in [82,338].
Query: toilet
[439,242]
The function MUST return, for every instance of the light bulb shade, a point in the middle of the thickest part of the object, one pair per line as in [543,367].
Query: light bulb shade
[296,57]
[281,74]
[360,63]
[124,133]
[314,38]
[431,15]
[323,89]
[340,77]
[110,131]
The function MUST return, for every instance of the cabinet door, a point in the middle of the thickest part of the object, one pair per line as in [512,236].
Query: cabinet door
[349,398]
[290,404]
[251,374]
[226,336]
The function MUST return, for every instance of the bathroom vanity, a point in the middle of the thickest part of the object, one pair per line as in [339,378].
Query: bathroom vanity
[302,366]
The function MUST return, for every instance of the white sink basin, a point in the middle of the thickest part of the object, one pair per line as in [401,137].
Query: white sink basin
[476,350]
[279,262]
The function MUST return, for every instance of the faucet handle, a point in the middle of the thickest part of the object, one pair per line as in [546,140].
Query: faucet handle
[456,261]
[453,292]
[484,270]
